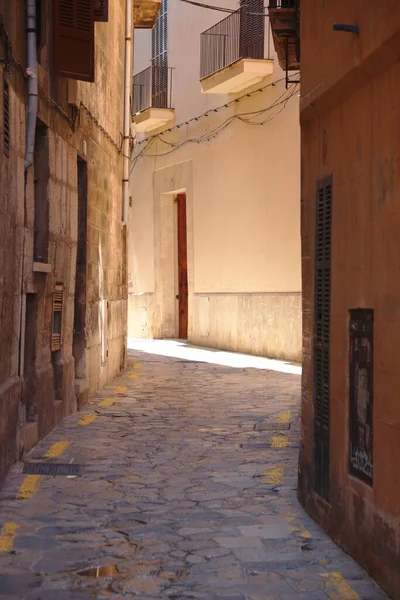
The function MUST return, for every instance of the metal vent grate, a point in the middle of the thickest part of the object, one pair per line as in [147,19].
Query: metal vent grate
[53,469]
[322,314]
[6,117]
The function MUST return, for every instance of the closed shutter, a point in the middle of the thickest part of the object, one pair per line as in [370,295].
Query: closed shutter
[101,10]
[322,315]
[6,118]
[74,39]
[251,41]
[58,305]
[159,50]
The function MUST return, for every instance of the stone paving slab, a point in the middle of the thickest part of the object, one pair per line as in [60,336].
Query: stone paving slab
[168,505]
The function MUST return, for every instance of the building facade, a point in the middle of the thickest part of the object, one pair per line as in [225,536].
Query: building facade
[63,277]
[214,228]
[348,478]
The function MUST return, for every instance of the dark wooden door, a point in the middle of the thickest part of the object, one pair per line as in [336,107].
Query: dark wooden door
[182,267]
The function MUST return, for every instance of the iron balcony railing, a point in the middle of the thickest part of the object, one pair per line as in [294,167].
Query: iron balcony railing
[152,88]
[243,34]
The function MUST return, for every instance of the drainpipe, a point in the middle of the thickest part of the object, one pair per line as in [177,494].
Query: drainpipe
[31,65]
[127,109]
[32,83]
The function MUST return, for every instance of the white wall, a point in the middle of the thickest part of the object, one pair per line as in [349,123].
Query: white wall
[243,209]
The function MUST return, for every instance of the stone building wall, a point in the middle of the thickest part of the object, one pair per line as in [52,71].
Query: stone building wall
[78,147]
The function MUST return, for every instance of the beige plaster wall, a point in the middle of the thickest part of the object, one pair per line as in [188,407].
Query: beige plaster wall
[243,215]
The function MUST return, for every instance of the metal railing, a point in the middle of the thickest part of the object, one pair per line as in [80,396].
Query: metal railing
[152,88]
[243,34]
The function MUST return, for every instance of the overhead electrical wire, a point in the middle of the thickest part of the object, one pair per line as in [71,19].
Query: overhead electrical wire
[246,117]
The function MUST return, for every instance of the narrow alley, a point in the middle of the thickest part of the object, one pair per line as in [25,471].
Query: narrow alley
[177,481]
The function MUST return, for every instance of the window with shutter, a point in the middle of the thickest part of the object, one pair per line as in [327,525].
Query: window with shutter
[58,305]
[101,10]
[159,45]
[74,38]
[6,117]
[251,39]
[322,315]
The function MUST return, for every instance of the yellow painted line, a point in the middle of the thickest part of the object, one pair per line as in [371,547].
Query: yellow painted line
[337,588]
[137,366]
[120,389]
[7,536]
[285,416]
[279,441]
[86,420]
[298,527]
[134,375]
[274,475]
[28,487]
[57,449]
[107,402]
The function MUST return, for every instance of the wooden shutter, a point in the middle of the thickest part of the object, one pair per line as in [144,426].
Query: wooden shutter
[101,10]
[322,316]
[6,118]
[58,306]
[74,39]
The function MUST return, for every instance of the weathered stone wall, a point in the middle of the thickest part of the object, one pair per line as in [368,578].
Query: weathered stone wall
[84,122]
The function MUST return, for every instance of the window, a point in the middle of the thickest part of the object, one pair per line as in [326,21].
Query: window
[322,315]
[58,306]
[6,117]
[41,166]
[251,42]
[74,39]
[361,394]
[159,59]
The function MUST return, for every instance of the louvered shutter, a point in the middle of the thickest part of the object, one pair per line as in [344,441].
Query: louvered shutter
[159,47]
[74,39]
[101,10]
[322,316]
[58,305]
[251,40]
[6,118]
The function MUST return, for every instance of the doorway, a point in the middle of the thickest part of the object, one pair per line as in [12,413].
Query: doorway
[79,341]
[182,267]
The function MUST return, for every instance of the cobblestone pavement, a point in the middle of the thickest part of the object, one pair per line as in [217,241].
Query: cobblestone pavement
[186,490]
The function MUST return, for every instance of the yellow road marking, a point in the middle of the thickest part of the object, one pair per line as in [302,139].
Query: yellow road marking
[57,449]
[28,487]
[285,416]
[134,375]
[279,441]
[274,475]
[337,587]
[7,536]
[107,402]
[298,527]
[120,389]
[86,420]
[137,366]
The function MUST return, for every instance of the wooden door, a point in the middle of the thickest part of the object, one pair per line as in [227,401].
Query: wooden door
[182,267]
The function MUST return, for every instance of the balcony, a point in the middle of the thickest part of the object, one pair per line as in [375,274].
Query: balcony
[284,16]
[145,13]
[152,91]
[235,54]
